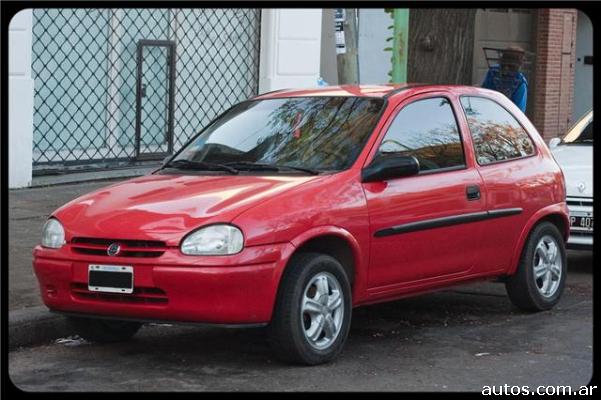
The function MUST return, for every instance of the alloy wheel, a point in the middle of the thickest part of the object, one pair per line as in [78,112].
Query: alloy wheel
[547,266]
[322,310]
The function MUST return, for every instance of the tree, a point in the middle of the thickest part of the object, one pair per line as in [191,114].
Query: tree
[441,46]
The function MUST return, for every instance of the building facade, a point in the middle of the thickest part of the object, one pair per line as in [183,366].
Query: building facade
[98,89]
[559,71]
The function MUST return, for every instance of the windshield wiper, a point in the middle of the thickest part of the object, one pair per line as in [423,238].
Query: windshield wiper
[201,165]
[269,167]
[303,169]
[253,165]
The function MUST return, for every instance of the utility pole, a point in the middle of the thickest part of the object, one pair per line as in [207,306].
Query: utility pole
[399,49]
[401,38]
[346,46]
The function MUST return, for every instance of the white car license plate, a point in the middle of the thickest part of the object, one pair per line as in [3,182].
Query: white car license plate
[581,222]
[111,278]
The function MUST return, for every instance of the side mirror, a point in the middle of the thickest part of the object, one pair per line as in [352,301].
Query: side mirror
[390,166]
[554,142]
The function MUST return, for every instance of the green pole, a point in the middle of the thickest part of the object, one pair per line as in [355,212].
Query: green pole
[400,45]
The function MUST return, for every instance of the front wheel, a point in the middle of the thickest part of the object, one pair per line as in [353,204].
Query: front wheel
[540,278]
[313,313]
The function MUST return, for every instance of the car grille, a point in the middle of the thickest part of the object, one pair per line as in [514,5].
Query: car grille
[580,201]
[129,248]
[581,233]
[140,295]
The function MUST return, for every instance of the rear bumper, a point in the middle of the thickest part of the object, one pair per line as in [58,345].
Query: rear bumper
[233,290]
[580,242]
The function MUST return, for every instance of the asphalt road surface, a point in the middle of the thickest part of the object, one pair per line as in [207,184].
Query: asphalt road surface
[455,340]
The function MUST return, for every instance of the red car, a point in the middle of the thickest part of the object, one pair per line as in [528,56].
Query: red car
[294,207]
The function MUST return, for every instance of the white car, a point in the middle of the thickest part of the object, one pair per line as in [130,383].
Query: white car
[574,154]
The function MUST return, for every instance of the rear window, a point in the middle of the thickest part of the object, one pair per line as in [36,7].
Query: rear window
[497,135]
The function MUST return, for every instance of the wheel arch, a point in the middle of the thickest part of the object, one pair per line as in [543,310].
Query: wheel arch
[340,244]
[557,214]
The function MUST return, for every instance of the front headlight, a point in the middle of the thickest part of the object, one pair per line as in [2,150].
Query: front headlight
[213,240]
[53,234]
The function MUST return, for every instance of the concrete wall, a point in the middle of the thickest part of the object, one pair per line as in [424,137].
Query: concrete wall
[500,29]
[583,75]
[20,100]
[290,48]
[374,62]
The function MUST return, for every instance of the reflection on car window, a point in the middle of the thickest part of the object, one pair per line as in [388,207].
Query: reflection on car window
[497,135]
[426,129]
[322,133]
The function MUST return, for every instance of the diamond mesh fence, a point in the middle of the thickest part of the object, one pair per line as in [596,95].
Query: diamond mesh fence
[115,86]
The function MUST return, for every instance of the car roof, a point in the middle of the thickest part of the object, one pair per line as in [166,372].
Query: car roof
[339,90]
[385,90]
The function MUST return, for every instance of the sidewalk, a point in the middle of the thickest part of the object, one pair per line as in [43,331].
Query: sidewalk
[28,210]
[30,322]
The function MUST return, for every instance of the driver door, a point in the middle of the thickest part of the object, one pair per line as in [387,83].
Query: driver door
[424,228]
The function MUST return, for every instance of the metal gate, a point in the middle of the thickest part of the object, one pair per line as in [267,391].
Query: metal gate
[116,87]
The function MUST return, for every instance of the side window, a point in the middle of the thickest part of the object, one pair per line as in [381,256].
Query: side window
[497,135]
[426,129]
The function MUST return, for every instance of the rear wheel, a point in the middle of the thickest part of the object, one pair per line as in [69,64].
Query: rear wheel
[103,330]
[313,313]
[540,278]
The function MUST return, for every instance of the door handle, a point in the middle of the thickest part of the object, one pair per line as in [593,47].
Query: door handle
[472,192]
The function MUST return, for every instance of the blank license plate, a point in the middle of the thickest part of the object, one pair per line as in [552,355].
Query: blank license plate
[111,278]
[581,222]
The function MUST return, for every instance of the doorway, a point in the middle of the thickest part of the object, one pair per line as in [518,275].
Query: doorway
[154,98]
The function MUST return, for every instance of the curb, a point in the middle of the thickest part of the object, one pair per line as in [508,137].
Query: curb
[94,176]
[34,325]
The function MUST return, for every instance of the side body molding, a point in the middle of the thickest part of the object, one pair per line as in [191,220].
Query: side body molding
[447,221]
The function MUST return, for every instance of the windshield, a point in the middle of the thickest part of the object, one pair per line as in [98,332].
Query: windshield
[581,133]
[306,133]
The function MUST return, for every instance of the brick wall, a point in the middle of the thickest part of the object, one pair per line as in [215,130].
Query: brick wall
[554,71]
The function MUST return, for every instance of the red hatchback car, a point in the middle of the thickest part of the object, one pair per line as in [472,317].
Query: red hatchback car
[294,207]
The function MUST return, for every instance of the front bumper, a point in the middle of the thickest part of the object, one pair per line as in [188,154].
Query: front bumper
[237,289]
[580,238]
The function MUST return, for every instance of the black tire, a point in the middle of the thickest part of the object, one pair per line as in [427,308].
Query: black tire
[522,287]
[103,330]
[286,330]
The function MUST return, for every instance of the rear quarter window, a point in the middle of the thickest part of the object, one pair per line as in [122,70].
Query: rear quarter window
[426,129]
[496,133]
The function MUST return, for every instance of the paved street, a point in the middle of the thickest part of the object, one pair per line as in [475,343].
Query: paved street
[459,339]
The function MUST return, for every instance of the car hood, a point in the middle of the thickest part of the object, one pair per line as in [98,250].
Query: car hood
[166,207]
[576,162]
